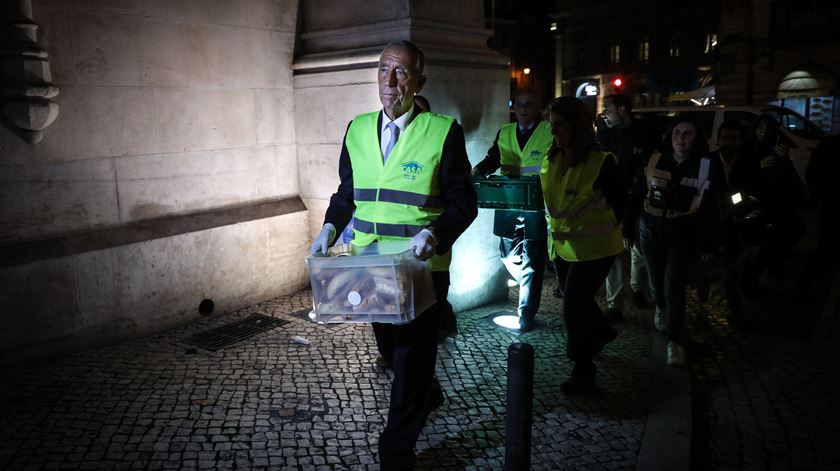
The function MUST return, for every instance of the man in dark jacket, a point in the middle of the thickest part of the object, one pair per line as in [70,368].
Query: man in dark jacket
[632,143]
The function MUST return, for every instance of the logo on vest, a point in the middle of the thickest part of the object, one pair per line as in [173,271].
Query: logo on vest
[411,169]
[535,153]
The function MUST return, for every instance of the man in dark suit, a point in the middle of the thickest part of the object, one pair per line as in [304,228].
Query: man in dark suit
[406,175]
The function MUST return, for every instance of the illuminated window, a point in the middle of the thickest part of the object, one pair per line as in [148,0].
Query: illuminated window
[711,42]
[674,46]
[644,49]
[615,54]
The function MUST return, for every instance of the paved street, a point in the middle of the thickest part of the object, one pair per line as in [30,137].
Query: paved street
[765,396]
[760,399]
[270,403]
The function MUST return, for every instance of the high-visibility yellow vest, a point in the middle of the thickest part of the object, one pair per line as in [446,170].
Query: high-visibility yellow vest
[397,199]
[583,226]
[526,161]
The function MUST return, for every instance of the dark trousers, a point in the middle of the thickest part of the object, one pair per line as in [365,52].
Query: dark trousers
[779,238]
[584,319]
[412,350]
[668,259]
[525,261]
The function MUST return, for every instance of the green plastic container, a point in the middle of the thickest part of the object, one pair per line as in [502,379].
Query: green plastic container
[501,192]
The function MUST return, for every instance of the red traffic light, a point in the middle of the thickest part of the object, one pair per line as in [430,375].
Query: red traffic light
[618,82]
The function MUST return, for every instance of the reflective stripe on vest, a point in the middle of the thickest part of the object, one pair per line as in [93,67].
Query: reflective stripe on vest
[526,161]
[397,196]
[583,226]
[396,199]
[382,228]
[700,184]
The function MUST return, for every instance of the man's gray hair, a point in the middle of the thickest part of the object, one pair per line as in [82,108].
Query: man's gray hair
[419,57]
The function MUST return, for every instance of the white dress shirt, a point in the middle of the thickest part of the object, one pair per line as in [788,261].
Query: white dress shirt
[385,133]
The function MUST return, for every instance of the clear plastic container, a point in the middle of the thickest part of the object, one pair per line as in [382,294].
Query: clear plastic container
[391,288]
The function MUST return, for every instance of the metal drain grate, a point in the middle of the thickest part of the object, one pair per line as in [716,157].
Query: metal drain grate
[229,334]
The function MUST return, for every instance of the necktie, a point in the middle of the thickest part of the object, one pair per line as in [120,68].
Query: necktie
[395,134]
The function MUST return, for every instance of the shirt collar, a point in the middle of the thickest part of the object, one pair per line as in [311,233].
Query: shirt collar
[524,129]
[401,122]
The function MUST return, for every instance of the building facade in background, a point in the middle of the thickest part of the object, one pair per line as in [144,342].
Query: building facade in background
[731,52]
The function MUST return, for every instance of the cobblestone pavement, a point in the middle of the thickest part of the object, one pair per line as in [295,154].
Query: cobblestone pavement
[269,403]
[764,396]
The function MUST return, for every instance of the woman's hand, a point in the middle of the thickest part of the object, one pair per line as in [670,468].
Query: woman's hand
[767,162]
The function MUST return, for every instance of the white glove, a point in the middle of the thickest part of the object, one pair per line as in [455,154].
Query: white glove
[323,240]
[424,244]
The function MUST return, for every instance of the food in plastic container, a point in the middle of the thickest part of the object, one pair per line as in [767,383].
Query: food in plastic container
[391,288]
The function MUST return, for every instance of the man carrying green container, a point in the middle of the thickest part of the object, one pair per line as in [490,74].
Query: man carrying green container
[519,150]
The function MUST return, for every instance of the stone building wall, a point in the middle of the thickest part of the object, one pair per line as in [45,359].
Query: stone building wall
[195,150]
[174,115]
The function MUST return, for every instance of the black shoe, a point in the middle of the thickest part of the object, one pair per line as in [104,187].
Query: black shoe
[527,323]
[582,379]
[381,362]
[447,332]
[602,338]
[436,397]
[575,385]
[639,299]
[614,315]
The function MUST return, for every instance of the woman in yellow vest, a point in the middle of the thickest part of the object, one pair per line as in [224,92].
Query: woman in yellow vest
[582,191]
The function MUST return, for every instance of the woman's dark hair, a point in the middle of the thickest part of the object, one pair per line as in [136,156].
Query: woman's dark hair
[769,142]
[580,121]
[700,146]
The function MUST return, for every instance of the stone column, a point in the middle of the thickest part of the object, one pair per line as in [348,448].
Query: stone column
[335,79]
[25,76]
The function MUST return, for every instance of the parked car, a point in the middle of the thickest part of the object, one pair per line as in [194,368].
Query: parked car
[800,134]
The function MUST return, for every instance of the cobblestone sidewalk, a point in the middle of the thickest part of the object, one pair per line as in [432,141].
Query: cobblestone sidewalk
[268,403]
[764,396]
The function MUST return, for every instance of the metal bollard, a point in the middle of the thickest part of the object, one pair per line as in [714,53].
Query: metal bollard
[520,400]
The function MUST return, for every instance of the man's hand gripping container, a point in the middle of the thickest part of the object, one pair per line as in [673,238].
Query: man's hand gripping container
[501,192]
[370,287]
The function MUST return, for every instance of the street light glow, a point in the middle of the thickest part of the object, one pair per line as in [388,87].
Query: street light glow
[508,321]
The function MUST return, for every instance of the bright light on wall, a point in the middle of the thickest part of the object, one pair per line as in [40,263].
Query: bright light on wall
[553,26]
[526,70]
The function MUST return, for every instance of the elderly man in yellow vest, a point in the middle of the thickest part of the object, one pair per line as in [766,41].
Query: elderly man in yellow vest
[520,149]
[406,175]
